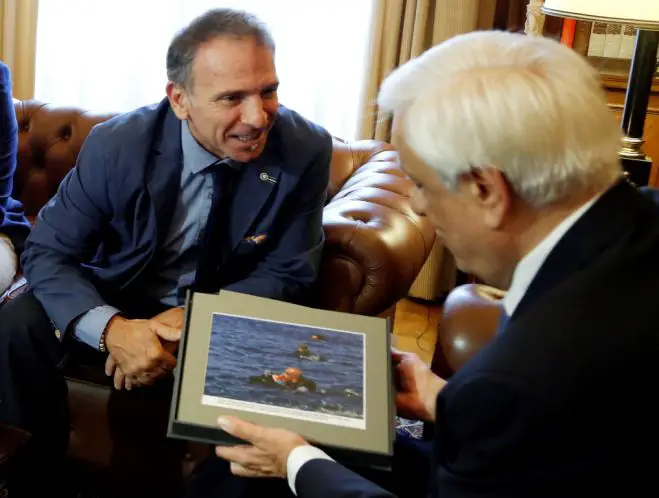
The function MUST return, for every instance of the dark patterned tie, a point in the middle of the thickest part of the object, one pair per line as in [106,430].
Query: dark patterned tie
[213,249]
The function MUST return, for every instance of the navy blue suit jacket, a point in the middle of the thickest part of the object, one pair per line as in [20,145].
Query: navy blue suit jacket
[561,403]
[94,242]
[12,219]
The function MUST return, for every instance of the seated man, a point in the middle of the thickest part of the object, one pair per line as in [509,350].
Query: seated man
[515,155]
[14,227]
[216,187]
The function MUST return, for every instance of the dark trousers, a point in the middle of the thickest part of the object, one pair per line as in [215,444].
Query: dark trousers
[33,393]
[408,478]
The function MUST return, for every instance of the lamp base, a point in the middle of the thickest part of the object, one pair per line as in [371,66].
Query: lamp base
[637,169]
[632,148]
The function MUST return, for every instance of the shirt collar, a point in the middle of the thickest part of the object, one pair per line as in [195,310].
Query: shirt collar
[195,157]
[528,267]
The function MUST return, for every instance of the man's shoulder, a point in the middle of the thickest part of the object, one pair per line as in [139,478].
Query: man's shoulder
[299,136]
[130,129]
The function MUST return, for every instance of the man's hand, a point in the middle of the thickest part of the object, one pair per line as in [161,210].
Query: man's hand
[136,353]
[266,456]
[417,387]
[112,370]
[173,317]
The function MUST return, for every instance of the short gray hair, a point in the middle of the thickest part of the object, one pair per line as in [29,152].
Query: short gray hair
[208,26]
[528,106]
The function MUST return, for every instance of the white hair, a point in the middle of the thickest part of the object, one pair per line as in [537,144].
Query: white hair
[528,106]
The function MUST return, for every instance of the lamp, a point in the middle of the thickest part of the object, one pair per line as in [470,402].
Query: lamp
[644,14]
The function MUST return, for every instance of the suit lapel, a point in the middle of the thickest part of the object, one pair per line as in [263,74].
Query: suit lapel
[164,177]
[607,219]
[255,186]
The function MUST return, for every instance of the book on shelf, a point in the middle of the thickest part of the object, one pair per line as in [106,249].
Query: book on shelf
[609,46]
[593,39]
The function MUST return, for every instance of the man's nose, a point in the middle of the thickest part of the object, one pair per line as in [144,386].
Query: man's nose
[254,114]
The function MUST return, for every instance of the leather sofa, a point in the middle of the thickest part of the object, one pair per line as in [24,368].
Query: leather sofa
[376,245]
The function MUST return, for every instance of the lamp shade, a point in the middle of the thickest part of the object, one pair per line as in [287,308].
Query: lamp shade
[641,13]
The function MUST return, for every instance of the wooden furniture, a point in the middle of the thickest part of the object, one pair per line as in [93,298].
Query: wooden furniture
[615,89]
[515,15]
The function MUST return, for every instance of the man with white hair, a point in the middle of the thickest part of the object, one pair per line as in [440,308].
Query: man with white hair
[514,152]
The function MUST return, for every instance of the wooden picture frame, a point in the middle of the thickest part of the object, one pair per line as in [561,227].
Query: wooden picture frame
[233,353]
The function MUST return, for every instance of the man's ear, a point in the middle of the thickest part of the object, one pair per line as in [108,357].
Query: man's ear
[178,99]
[491,192]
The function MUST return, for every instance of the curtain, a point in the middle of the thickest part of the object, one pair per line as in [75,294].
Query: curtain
[110,56]
[535,19]
[18,24]
[402,30]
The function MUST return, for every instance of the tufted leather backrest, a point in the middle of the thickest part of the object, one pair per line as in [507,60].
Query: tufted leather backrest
[375,240]
[49,140]
[367,156]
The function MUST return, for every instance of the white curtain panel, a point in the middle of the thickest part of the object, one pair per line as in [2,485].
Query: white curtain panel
[110,56]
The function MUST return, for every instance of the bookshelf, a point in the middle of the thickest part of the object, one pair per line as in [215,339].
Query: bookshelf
[608,47]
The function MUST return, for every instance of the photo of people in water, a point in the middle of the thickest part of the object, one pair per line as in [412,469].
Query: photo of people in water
[286,369]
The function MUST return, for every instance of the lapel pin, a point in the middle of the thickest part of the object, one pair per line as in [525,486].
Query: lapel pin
[264,177]
[256,239]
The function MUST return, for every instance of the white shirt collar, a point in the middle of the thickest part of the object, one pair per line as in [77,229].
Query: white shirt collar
[528,267]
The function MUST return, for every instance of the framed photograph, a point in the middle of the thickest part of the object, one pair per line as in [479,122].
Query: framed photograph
[322,374]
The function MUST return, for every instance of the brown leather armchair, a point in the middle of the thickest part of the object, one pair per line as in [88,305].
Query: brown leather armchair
[469,321]
[376,245]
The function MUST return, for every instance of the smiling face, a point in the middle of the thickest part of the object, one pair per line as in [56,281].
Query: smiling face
[231,101]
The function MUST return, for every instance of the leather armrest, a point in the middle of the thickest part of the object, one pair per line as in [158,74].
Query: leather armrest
[469,321]
[376,244]
[12,440]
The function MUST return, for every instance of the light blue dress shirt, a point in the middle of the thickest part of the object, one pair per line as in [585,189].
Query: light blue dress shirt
[178,257]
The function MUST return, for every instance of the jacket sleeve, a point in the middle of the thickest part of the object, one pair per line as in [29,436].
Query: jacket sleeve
[12,219]
[495,434]
[290,269]
[327,479]
[68,231]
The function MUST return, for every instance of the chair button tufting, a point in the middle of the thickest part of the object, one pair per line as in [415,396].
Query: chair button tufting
[65,132]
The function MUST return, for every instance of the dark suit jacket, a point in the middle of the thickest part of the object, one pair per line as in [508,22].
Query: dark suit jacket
[562,403]
[12,220]
[94,242]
